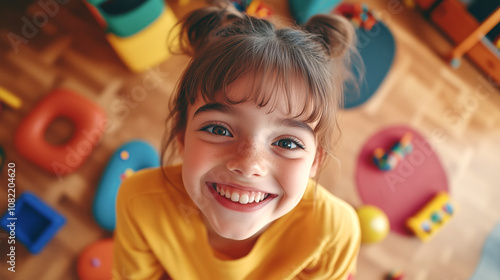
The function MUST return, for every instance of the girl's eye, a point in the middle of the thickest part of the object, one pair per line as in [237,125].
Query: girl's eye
[288,144]
[217,130]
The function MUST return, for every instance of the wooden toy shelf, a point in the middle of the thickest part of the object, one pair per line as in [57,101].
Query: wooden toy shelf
[467,33]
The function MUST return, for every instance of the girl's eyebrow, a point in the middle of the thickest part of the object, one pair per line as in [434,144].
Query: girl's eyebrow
[295,123]
[223,108]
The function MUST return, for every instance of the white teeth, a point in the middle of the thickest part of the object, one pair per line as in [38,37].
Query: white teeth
[245,198]
[235,197]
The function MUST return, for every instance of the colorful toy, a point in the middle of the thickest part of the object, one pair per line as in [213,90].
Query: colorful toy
[432,217]
[303,10]
[374,224]
[358,13]
[126,18]
[134,28]
[126,160]
[9,99]
[388,160]
[96,261]
[395,275]
[241,5]
[259,9]
[88,119]
[34,222]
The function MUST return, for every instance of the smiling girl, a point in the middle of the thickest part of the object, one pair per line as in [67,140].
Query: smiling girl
[253,119]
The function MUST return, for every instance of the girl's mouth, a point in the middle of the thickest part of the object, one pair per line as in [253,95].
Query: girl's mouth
[240,196]
[238,199]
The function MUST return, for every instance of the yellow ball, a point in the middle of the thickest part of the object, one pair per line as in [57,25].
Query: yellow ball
[374,224]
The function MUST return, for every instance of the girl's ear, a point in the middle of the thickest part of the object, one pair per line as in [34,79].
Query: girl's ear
[180,142]
[318,160]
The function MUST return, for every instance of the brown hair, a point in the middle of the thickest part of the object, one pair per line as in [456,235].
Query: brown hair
[227,45]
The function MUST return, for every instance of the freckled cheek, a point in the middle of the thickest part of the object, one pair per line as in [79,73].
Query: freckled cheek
[200,156]
[293,178]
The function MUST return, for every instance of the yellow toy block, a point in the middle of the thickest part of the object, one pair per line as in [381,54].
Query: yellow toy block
[432,217]
[148,47]
[10,99]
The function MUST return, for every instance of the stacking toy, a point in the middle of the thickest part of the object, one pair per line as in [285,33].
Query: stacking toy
[358,13]
[388,160]
[138,30]
[127,159]
[432,217]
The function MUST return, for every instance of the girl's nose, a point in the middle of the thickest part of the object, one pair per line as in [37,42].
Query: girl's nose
[248,161]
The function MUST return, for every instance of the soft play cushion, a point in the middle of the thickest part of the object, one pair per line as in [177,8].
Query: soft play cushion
[96,261]
[126,160]
[89,121]
[377,48]
[404,190]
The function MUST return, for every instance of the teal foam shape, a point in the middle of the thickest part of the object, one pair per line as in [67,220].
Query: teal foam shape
[127,18]
[303,10]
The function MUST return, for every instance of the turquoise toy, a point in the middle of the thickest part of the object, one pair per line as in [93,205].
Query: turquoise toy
[388,160]
[127,159]
[126,18]
[302,10]
[33,222]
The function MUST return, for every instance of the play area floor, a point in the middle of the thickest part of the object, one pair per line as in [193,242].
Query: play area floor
[457,112]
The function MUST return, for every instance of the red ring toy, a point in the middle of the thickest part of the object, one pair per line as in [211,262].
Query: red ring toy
[89,121]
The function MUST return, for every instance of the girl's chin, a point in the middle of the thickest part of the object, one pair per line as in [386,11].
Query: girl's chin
[236,233]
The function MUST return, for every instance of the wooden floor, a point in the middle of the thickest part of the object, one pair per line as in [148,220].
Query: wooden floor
[71,51]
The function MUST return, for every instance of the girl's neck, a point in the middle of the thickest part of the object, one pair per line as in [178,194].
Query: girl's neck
[230,249]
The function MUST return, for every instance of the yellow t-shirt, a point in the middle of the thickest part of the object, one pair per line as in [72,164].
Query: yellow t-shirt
[160,230]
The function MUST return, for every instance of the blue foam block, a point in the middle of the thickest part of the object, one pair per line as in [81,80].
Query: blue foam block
[130,157]
[35,223]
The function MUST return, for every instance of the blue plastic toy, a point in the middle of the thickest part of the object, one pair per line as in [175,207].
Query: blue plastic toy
[32,222]
[302,10]
[129,158]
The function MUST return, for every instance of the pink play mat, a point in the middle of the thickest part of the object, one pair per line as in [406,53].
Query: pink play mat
[400,192]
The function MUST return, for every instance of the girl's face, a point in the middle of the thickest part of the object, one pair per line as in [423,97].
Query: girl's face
[245,166]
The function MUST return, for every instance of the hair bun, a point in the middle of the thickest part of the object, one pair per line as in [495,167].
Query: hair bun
[334,32]
[199,26]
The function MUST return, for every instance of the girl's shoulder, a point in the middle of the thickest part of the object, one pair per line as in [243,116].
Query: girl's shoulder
[328,214]
[152,181]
